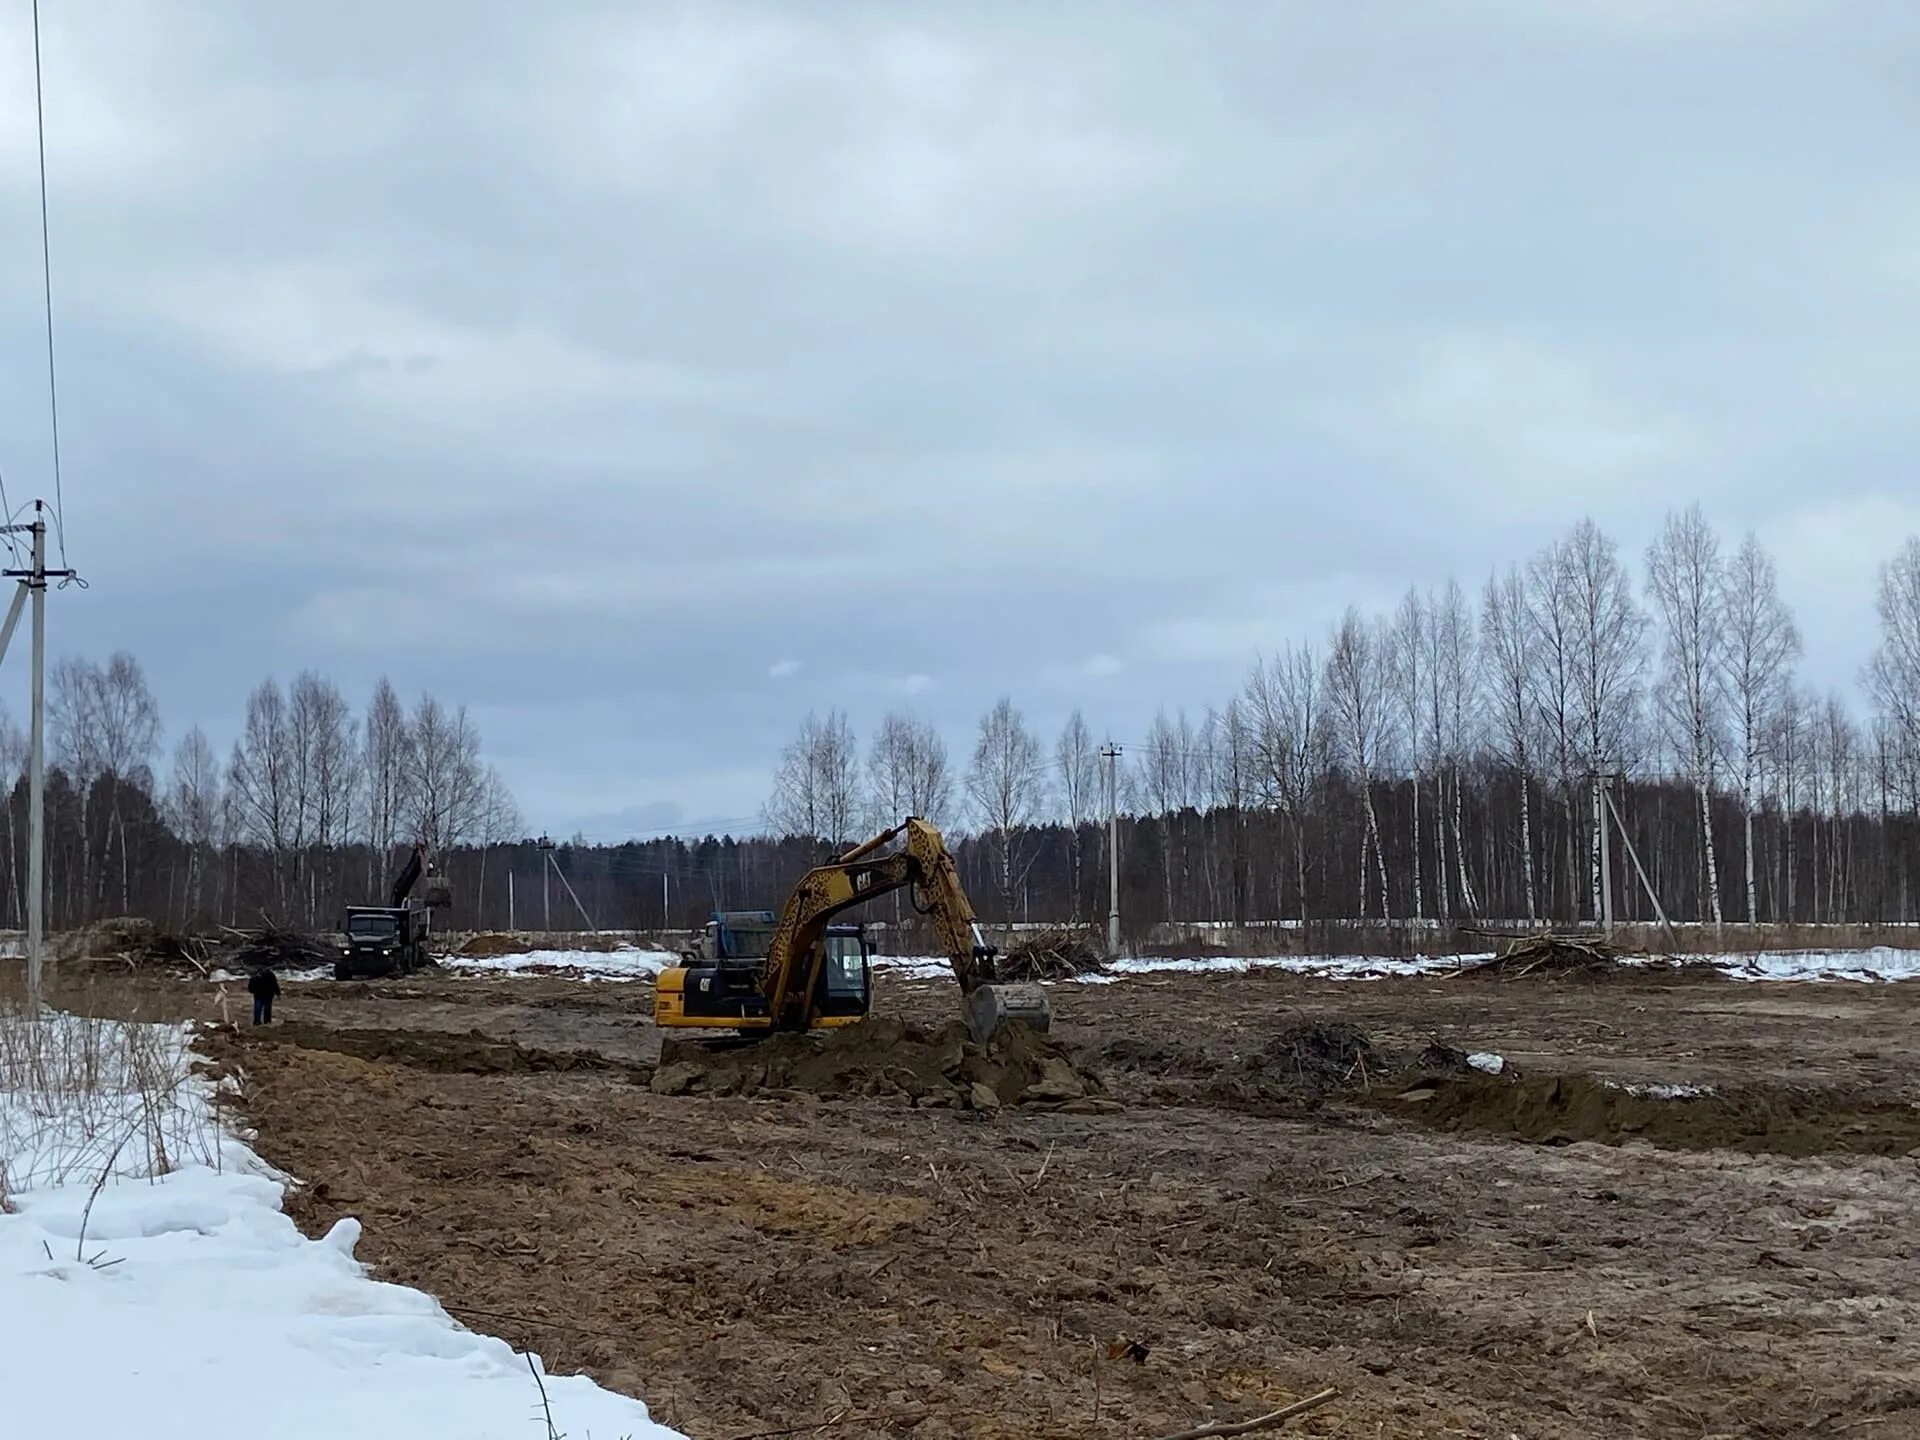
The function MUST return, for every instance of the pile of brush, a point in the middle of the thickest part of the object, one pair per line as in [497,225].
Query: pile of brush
[1053,955]
[278,948]
[1552,955]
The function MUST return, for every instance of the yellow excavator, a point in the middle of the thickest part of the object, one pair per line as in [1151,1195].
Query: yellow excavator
[813,974]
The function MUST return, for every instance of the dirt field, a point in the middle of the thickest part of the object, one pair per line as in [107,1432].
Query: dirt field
[1743,1265]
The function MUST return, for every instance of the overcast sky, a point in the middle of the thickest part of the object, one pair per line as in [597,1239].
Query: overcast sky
[644,375]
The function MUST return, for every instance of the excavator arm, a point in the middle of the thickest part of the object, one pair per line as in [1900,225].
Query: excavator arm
[787,992]
[862,874]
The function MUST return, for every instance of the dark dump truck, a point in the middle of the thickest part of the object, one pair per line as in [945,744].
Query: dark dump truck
[391,939]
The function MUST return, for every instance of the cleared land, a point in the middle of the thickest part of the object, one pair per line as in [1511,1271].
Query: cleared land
[1253,1227]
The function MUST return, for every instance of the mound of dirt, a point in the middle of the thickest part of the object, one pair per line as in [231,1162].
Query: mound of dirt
[445,1052]
[490,944]
[1564,1109]
[888,1057]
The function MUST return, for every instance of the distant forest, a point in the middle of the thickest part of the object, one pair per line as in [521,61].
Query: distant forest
[1454,759]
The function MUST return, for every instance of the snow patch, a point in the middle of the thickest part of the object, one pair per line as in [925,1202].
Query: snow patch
[1487,1061]
[194,1309]
[629,962]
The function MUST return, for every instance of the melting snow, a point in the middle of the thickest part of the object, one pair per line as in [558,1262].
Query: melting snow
[627,963]
[194,1310]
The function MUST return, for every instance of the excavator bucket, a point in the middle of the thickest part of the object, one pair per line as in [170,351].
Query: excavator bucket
[437,891]
[992,1008]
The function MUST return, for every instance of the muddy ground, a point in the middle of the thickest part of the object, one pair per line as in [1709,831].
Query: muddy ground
[1232,1241]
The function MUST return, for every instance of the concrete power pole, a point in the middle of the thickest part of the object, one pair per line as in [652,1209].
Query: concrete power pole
[33,582]
[1110,752]
[546,888]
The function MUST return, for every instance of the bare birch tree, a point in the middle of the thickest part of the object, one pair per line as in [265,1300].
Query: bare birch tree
[930,778]
[1455,663]
[1506,641]
[816,790]
[1076,765]
[193,809]
[445,780]
[1893,675]
[1292,747]
[1757,663]
[260,781]
[384,745]
[1406,661]
[1358,683]
[1684,576]
[1007,784]
[1608,661]
[1554,621]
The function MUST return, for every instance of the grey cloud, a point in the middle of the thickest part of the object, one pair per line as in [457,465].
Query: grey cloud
[583,363]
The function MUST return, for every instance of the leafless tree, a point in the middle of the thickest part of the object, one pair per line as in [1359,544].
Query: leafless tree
[1358,682]
[1554,621]
[384,746]
[499,823]
[193,809]
[260,780]
[1007,785]
[326,780]
[816,791]
[1292,745]
[1506,641]
[1893,675]
[1228,757]
[1757,663]
[1168,780]
[1455,715]
[1406,658]
[930,778]
[1076,764]
[1608,661]
[1684,576]
[444,775]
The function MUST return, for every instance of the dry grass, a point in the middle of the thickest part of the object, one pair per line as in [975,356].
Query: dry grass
[93,1087]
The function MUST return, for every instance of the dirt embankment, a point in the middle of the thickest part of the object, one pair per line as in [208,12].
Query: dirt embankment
[935,1068]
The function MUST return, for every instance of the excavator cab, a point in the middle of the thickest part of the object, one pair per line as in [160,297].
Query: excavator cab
[720,986]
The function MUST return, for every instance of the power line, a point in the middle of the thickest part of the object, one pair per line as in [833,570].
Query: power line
[46,277]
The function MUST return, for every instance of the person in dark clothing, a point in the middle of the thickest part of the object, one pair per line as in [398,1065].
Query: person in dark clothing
[263,985]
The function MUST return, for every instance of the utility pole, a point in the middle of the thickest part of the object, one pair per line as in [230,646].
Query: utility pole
[34,582]
[666,915]
[546,888]
[1110,752]
[1604,783]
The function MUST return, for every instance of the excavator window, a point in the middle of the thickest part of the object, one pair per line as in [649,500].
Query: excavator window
[846,967]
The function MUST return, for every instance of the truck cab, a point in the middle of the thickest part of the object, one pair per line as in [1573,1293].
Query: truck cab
[383,940]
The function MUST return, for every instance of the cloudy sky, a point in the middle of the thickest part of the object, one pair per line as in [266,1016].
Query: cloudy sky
[644,375]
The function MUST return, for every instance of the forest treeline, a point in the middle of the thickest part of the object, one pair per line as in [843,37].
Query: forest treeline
[1453,758]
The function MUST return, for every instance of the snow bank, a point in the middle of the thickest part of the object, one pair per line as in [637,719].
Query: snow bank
[626,963]
[1334,967]
[192,1309]
[1880,963]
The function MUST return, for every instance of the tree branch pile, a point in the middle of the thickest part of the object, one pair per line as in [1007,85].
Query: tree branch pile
[1058,954]
[279,949]
[1551,955]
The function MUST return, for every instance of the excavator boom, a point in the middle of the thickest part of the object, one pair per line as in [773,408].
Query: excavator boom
[789,990]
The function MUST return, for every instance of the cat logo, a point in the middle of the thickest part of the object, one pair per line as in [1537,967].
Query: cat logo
[862,881]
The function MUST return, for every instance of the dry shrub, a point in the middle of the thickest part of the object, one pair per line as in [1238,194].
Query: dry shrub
[85,1094]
